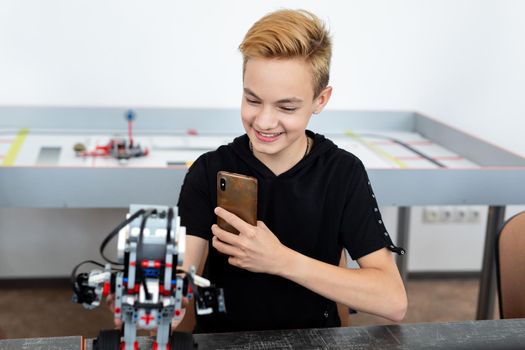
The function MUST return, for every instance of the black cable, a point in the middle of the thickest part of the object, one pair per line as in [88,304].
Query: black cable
[140,270]
[168,229]
[142,280]
[115,232]
[191,283]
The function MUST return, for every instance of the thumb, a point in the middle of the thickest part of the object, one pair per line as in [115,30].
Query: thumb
[185,302]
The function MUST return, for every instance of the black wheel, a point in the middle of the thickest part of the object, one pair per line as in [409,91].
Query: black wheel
[107,340]
[182,341]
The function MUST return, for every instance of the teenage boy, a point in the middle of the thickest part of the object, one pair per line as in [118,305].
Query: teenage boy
[314,199]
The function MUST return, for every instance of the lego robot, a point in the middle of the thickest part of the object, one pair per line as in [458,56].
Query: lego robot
[119,148]
[146,283]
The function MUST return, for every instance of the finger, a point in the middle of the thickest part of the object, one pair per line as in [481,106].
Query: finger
[110,302]
[225,248]
[176,322]
[117,322]
[232,219]
[225,236]
[233,261]
[261,224]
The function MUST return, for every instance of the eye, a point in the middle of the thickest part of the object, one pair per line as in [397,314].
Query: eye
[252,101]
[288,109]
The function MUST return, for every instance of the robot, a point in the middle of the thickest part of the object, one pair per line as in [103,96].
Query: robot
[119,148]
[147,284]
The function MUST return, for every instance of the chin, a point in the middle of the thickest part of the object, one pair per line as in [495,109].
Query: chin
[268,149]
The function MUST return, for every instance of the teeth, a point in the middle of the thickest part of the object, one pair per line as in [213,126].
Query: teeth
[270,135]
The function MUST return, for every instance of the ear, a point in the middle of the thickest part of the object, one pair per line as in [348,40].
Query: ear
[321,100]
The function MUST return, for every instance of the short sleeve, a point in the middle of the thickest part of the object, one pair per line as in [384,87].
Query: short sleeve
[195,203]
[362,229]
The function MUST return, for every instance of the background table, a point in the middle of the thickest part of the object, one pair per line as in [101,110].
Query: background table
[411,160]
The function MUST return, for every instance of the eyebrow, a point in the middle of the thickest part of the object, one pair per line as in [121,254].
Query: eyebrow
[284,100]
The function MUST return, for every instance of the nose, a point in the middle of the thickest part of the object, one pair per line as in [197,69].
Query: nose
[266,119]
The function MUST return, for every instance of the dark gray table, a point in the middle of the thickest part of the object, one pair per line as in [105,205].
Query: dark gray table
[492,334]
[63,343]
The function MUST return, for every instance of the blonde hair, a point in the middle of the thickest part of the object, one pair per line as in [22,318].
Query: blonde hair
[291,34]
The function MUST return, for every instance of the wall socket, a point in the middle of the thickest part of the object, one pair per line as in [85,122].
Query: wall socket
[451,214]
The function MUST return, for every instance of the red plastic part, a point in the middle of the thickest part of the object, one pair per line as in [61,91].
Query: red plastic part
[147,318]
[105,291]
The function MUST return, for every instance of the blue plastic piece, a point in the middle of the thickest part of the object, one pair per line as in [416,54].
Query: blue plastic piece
[151,272]
[130,115]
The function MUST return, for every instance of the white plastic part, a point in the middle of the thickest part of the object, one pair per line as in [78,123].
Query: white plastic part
[160,232]
[153,290]
[206,311]
[168,270]
[181,245]
[118,296]
[123,236]
[201,281]
[132,265]
[98,277]
[129,300]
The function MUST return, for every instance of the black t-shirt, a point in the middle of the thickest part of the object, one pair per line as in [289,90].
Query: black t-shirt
[321,205]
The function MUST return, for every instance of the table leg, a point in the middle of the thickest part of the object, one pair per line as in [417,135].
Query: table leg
[487,283]
[403,226]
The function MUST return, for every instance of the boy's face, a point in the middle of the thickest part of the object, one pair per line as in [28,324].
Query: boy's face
[277,104]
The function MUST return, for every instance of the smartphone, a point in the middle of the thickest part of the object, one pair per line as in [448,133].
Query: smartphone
[238,194]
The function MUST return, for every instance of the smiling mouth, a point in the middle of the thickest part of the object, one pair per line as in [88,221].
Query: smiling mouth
[267,137]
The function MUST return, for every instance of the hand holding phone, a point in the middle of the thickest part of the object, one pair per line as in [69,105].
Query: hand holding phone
[238,194]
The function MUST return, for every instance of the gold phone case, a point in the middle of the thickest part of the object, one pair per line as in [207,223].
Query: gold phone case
[238,194]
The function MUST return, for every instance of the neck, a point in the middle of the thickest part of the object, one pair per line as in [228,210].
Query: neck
[287,158]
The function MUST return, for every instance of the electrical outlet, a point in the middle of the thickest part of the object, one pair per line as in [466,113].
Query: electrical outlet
[445,214]
[459,214]
[451,214]
[430,214]
[473,214]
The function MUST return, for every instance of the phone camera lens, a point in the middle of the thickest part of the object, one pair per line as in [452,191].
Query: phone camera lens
[222,183]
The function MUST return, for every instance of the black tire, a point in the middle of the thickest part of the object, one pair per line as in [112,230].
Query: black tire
[107,340]
[182,341]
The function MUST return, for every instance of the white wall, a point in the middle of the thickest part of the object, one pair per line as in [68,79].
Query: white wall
[460,61]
